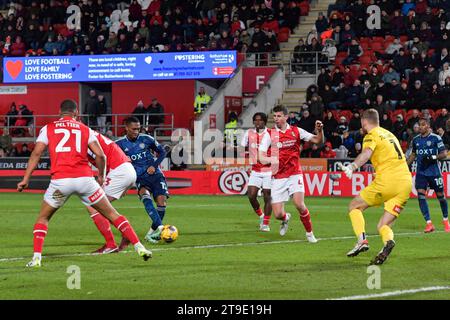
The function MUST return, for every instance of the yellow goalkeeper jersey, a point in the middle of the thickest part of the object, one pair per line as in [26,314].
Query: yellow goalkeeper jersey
[387,158]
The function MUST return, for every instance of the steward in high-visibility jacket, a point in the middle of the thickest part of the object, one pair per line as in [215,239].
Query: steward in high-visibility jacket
[201,101]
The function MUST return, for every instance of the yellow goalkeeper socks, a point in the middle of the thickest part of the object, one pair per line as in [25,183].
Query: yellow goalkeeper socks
[386,233]
[358,224]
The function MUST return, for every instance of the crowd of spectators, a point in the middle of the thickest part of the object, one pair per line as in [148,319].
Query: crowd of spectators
[33,27]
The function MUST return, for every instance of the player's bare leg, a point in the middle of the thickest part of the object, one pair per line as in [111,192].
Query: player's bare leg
[444,207]
[252,194]
[104,228]
[122,224]
[387,236]
[423,205]
[39,233]
[280,214]
[267,211]
[299,201]
[356,208]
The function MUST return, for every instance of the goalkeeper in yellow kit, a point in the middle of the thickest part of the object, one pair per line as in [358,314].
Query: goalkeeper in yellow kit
[391,187]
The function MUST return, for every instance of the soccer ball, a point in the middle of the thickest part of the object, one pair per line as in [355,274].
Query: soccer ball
[169,233]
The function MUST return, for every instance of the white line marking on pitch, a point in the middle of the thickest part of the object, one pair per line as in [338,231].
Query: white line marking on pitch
[212,246]
[393,293]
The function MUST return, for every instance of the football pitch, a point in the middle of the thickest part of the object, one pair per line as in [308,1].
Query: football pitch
[221,254]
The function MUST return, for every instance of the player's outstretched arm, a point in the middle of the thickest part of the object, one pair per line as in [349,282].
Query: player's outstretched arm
[32,164]
[100,160]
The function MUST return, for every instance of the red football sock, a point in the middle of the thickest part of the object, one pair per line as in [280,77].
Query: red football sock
[259,212]
[126,229]
[266,220]
[283,217]
[306,220]
[103,226]
[39,233]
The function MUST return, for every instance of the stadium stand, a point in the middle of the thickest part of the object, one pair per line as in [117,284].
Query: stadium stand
[405,61]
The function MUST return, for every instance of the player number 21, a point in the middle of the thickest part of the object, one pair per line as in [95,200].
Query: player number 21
[61,145]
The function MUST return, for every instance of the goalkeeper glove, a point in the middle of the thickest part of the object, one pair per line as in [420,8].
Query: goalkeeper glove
[348,169]
[429,160]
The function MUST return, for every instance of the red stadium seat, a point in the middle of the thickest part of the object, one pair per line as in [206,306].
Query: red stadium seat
[365,59]
[389,39]
[396,112]
[377,46]
[283,37]
[365,46]
[403,39]
[347,114]
[285,30]
[338,61]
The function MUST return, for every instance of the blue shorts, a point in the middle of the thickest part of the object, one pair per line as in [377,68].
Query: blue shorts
[434,182]
[155,183]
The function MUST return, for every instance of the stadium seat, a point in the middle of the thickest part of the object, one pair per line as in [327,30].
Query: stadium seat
[409,114]
[346,113]
[403,39]
[396,112]
[338,61]
[365,60]
[389,39]
[365,46]
[304,8]
[285,30]
[283,37]
[335,114]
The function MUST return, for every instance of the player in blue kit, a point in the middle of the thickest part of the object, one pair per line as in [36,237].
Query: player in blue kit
[146,155]
[428,148]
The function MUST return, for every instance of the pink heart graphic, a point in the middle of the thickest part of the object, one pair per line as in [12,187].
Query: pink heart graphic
[14,68]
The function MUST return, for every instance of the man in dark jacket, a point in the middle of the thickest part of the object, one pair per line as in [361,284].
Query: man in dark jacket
[91,106]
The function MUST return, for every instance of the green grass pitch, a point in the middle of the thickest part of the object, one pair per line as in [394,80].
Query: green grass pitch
[220,253]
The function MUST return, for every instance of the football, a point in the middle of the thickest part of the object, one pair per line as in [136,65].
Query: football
[169,233]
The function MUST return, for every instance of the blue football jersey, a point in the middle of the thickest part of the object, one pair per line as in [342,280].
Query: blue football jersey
[142,152]
[426,146]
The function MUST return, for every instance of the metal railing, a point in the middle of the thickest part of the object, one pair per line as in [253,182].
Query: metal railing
[114,122]
[301,63]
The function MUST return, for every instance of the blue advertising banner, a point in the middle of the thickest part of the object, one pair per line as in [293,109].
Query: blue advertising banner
[142,66]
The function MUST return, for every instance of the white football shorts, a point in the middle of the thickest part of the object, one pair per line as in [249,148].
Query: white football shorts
[283,188]
[86,188]
[119,180]
[260,179]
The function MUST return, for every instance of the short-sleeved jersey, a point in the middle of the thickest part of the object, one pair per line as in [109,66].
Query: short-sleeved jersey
[141,152]
[114,155]
[431,144]
[252,139]
[387,157]
[67,141]
[285,145]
